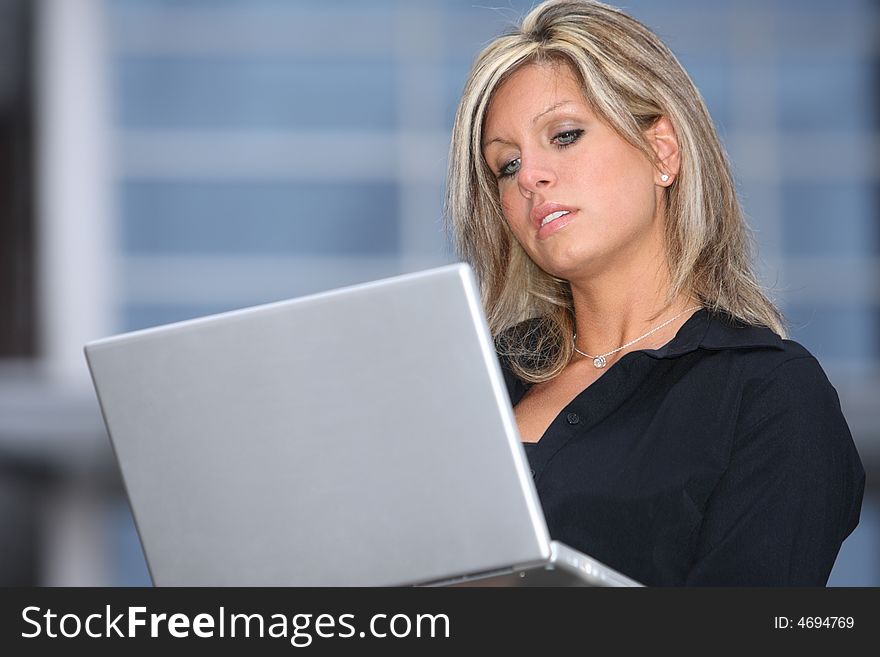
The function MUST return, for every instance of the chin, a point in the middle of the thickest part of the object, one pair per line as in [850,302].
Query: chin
[572,264]
[569,270]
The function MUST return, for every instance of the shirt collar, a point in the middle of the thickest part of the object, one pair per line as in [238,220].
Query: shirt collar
[715,332]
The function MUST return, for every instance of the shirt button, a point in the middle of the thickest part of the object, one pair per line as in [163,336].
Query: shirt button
[533,472]
[573,418]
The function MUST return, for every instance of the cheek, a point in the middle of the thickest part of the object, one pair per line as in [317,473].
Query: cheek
[625,189]
[508,199]
[514,208]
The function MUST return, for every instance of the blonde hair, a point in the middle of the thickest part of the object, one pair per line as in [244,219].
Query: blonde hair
[631,79]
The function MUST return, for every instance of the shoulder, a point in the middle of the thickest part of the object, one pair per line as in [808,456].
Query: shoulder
[757,354]
[785,404]
[790,416]
[789,378]
[781,379]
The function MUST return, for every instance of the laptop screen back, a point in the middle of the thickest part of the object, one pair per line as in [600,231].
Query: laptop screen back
[357,437]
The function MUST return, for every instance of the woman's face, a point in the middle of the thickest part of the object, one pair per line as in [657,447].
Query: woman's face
[576,195]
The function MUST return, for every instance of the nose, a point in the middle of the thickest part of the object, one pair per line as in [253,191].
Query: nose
[535,174]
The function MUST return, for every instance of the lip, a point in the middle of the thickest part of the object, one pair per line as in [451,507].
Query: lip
[540,211]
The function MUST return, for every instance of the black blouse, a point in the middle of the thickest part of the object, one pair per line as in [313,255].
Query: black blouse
[721,459]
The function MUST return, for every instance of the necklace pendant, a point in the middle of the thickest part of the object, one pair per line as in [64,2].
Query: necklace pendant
[599,362]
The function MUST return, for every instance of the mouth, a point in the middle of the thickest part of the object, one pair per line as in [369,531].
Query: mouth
[549,217]
[547,213]
[553,216]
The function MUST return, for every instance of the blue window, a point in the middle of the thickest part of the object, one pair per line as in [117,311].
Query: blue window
[828,218]
[845,332]
[255,92]
[263,217]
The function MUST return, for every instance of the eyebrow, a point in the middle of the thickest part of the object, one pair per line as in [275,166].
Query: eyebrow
[534,120]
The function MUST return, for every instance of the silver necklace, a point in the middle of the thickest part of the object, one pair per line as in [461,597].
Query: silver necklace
[599,361]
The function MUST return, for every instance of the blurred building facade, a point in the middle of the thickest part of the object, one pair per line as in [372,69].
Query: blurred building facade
[196,156]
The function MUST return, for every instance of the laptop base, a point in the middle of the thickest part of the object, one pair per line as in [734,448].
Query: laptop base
[565,567]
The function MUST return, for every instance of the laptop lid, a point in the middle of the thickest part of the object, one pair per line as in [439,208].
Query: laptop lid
[362,436]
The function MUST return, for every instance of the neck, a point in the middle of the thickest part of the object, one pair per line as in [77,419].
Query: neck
[623,304]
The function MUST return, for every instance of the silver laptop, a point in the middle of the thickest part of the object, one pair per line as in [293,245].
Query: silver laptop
[358,437]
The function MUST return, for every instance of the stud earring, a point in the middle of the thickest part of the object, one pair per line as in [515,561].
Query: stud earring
[664,177]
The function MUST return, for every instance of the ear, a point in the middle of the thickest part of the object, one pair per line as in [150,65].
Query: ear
[664,141]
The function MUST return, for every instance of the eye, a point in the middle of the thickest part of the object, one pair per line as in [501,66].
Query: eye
[510,168]
[568,137]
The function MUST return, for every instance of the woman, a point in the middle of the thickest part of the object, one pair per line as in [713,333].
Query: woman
[673,432]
